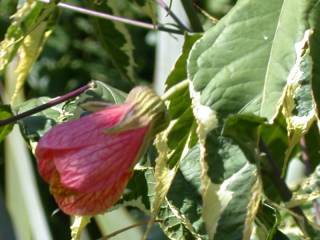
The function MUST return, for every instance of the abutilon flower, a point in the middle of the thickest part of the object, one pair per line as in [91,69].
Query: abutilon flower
[89,161]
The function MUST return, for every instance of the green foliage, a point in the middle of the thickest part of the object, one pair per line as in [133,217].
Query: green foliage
[115,39]
[242,99]
[257,64]
[25,38]
[268,219]
[5,112]
[180,218]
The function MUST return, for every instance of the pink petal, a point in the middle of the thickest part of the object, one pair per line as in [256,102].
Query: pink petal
[79,203]
[100,164]
[74,135]
[68,135]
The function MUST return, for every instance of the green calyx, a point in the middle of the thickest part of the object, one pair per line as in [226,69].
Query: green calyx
[148,109]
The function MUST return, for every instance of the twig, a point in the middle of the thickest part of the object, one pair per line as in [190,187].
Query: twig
[49,104]
[284,191]
[206,14]
[116,18]
[192,15]
[174,16]
[125,229]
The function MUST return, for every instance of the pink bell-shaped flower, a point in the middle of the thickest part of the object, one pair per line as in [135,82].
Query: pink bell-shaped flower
[89,161]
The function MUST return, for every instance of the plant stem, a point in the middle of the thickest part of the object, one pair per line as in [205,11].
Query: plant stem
[174,17]
[206,14]
[49,104]
[192,15]
[125,229]
[115,18]
[284,191]
[174,89]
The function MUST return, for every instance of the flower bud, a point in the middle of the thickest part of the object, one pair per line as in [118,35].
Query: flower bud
[89,161]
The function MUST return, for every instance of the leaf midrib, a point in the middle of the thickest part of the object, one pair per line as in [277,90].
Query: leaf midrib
[263,98]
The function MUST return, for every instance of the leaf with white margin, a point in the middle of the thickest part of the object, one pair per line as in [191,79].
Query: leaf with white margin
[297,102]
[242,63]
[25,37]
[78,225]
[311,17]
[115,38]
[231,194]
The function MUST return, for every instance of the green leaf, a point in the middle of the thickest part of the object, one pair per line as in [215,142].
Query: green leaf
[219,8]
[25,37]
[242,64]
[136,191]
[35,126]
[276,138]
[189,206]
[173,145]
[115,39]
[230,187]
[232,193]
[179,219]
[247,130]
[267,222]
[102,92]
[312,146]
[5,112]
[179,72]
[246,64]
[312,21]
[244,130]
[140,2]
[148,7]
[180,215]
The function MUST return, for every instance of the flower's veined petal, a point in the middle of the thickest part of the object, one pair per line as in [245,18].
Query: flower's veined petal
[102,163]
[78,203]
[83,131]
[76,135]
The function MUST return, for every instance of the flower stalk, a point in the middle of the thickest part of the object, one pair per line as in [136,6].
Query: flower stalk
[47,105]
[171,91]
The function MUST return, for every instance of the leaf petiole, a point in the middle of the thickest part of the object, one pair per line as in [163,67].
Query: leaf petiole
[171,91]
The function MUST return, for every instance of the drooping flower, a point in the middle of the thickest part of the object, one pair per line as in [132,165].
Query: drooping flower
[89,161]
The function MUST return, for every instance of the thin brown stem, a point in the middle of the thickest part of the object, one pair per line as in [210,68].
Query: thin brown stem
[173,15]
[192,16]
[206,14]
[49,104]
[115,18]
[125,229]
